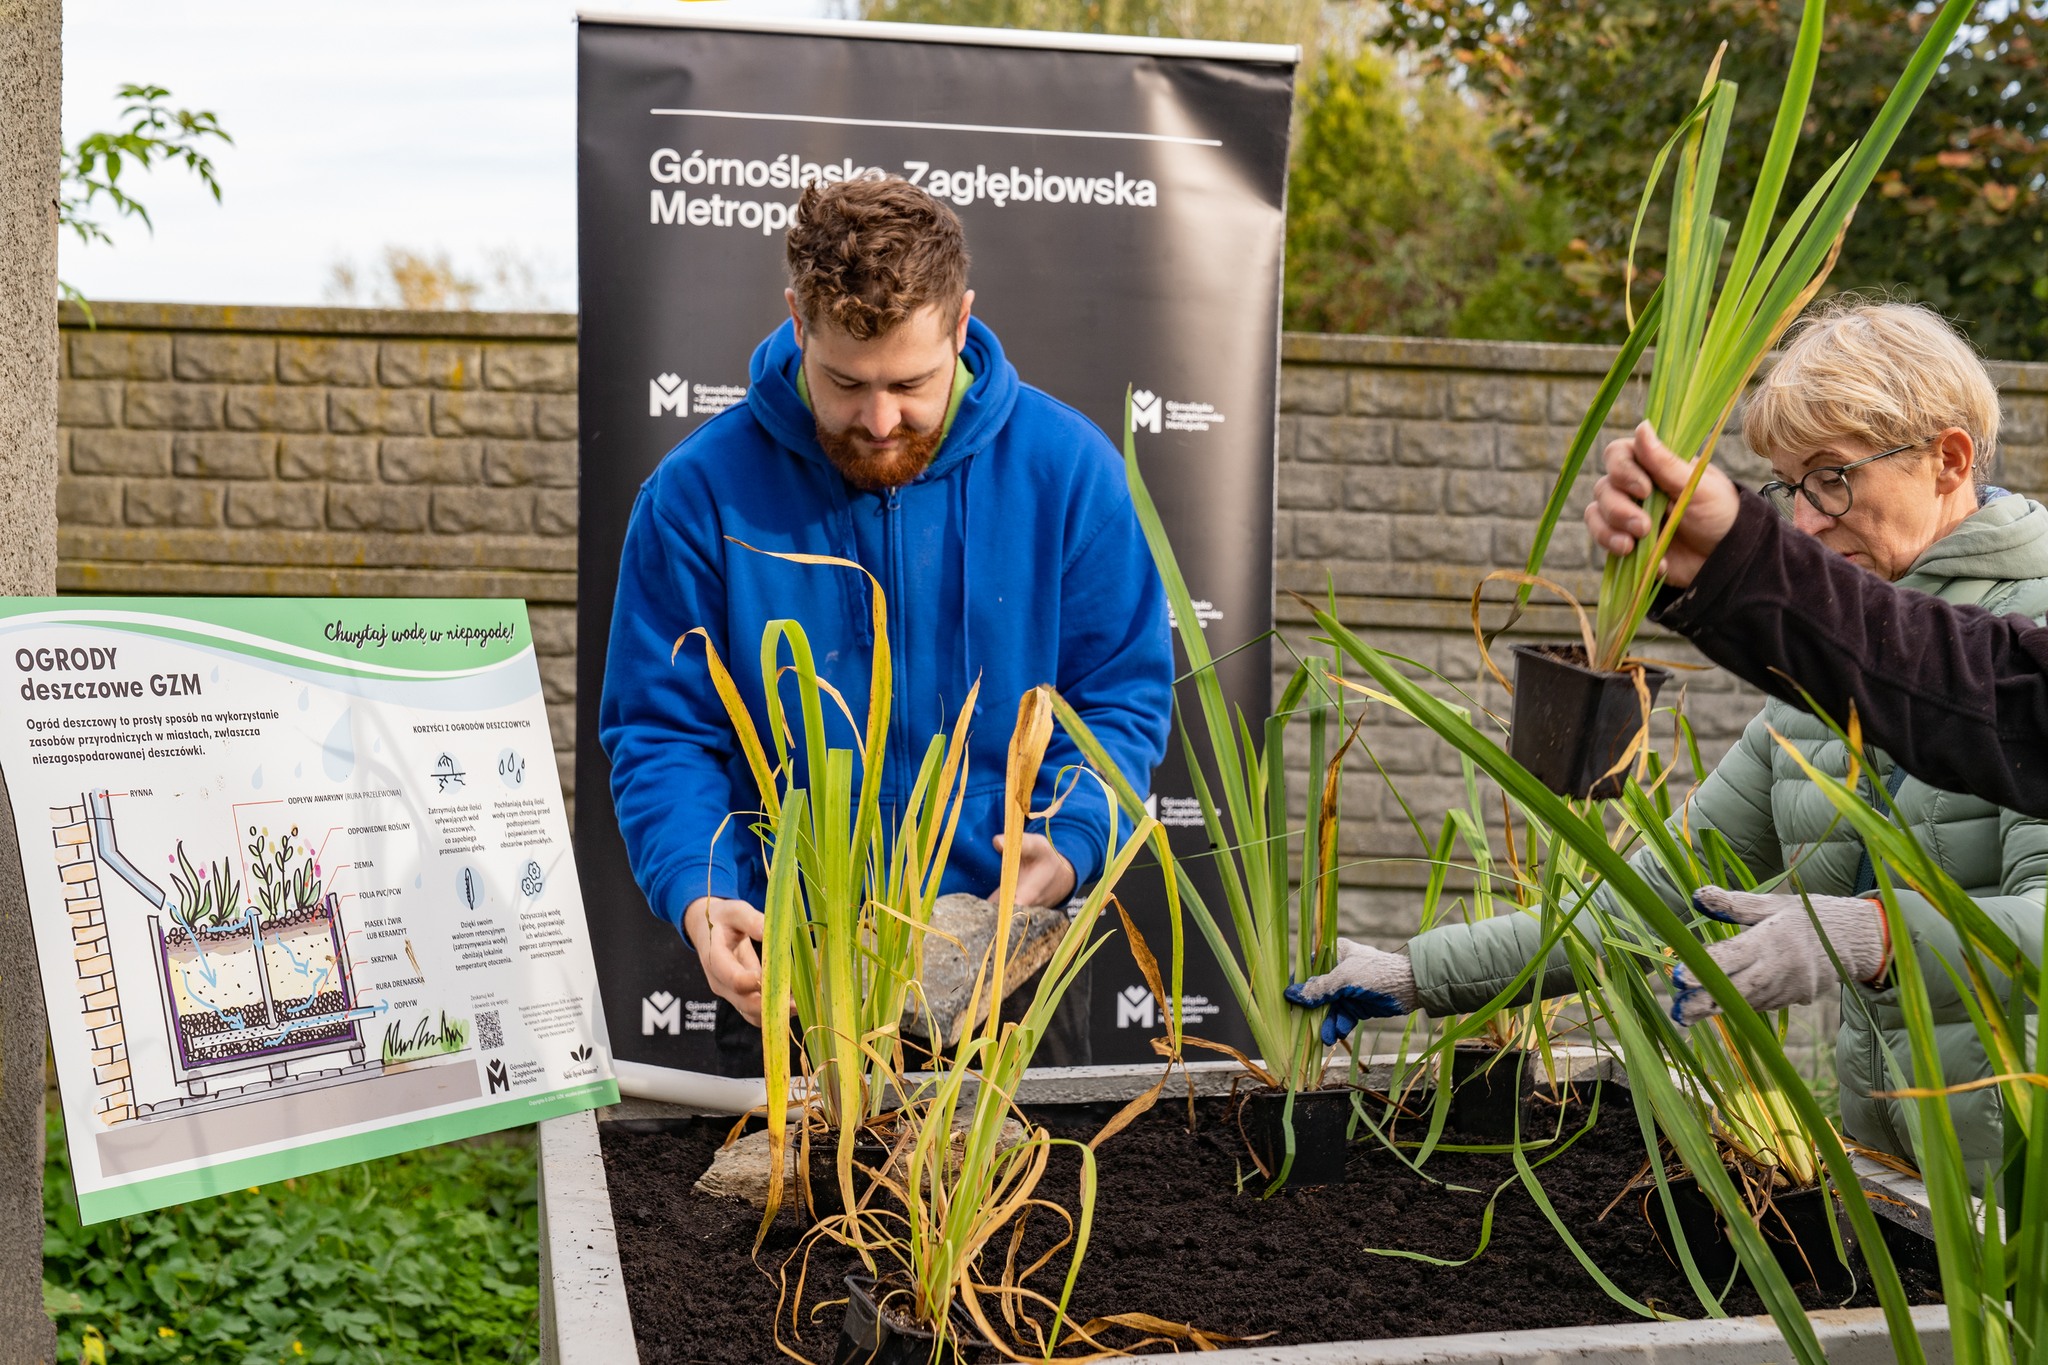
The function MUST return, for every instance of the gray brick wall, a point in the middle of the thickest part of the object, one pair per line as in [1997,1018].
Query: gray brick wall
[343,451]
[326,452]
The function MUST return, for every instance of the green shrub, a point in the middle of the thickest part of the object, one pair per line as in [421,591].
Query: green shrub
[432,1256]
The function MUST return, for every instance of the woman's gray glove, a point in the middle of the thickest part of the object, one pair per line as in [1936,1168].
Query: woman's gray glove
[1779,959]
[1366,983]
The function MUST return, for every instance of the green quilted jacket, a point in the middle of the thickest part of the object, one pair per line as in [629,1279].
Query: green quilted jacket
[1773,817]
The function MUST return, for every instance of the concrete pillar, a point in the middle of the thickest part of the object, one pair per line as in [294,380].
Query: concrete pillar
[31,70]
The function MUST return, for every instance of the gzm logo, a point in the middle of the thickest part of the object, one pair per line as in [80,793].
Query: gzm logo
[668,392]
[495,1074]
[1145,406]
[1135,1008]
[660,1011]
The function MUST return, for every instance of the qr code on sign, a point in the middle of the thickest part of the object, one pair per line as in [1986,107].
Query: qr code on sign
[490,1034]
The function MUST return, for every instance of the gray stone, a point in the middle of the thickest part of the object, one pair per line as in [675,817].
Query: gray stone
[81,403]
[343,459]
[554,514]
[483,414]
[739,1170]
[490,510]
[531,369]
[88,502]
[325,360]
[353,412]
[963,928]
[417,364]
[181,407]
[120,452]
[555,419]
[270,408]
[233,359]
[120,355]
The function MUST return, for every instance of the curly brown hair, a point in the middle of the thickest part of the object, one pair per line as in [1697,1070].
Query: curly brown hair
[866,254]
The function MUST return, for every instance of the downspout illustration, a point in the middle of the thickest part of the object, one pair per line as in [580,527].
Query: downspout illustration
[101,813]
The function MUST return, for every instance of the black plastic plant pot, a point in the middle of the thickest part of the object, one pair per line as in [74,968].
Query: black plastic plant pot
[1321,1118]
[1706,1237]
[1795,1227]
[1799,1227]
[1573,724]
[1490,1092]
[873,1333]
[869,1156]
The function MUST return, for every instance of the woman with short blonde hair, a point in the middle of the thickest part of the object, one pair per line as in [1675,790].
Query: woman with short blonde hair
[1878,422]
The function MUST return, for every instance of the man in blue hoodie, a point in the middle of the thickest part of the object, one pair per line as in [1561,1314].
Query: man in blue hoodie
[882,425]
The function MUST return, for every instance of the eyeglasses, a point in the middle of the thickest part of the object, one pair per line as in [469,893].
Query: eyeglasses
[1827,488]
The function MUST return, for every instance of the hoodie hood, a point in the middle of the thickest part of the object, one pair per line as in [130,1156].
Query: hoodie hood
[773,398]
[1016,560]
[2006,539]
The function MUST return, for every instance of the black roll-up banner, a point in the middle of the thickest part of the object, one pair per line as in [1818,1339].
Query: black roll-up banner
[1123,202]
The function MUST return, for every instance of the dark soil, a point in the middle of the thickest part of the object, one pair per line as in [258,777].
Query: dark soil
[1174,1237]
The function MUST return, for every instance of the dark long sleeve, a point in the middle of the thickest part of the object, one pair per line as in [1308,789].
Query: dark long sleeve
[1956,695]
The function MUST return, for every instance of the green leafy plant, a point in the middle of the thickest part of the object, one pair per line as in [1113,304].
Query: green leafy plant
[849,900]
[1993,1259]
[1609,972]
[847,907]
[1598,948]
[153,134]
[427,1258]
[962,1184]
[208,897]
[1275,932]
[1712,327]
[287,877]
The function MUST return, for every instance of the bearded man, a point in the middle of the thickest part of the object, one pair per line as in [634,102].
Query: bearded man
[882,425]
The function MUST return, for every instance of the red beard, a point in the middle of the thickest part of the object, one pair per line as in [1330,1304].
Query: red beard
[877,472]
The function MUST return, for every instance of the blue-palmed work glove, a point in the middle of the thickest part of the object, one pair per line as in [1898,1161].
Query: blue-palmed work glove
[1779,958]
[1366,983]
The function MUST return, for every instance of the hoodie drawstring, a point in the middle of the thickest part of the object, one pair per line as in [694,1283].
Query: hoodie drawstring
[966,585]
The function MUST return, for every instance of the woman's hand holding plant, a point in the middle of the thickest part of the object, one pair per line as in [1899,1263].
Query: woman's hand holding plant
[1635,465]
[1781,957]
[1366,983]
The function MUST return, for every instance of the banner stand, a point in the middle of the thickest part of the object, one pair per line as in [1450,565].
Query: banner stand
[1125,203]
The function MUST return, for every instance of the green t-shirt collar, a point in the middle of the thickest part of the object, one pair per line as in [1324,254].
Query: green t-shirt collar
[963,378]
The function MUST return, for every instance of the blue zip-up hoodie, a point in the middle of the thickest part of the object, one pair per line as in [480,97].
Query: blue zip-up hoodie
[1015,558]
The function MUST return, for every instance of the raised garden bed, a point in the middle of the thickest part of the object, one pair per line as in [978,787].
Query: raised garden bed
[1174,1237]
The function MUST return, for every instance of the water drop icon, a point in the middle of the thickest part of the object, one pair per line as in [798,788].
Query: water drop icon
[338,753]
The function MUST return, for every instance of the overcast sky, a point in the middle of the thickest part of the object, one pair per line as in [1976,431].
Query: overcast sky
[436,125]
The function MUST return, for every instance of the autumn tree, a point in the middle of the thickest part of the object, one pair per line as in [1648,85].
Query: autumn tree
[1401,216]
[1587,90]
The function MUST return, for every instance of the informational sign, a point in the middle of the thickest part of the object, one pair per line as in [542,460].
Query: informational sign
[1124,204]
[301,883]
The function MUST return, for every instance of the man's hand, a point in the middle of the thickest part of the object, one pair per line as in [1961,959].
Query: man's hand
[724,933]
[1366,983]
[1779,958]
[1616,517]
[1044,877]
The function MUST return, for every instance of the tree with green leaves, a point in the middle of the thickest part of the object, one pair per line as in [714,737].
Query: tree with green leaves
[1960,214]
[152,134]
[1401,216]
